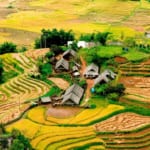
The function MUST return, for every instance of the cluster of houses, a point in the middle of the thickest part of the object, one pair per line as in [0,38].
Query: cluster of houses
[64,65]
[74,93]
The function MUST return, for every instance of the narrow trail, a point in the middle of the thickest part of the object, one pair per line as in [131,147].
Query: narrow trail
[88,81]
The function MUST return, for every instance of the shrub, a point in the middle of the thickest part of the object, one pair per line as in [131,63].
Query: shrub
[45,69]
[83,83]
[113,96]
[7,47]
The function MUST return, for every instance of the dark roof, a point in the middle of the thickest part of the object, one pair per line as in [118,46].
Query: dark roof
[105,76]
[73,93]
[92,68]
[70,51]
[62,62]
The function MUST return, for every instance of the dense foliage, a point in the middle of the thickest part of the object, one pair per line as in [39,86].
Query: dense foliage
[54,37]
[109,90]
[100,37]
[18,140]
[45,69]
[1,70]
[7,47]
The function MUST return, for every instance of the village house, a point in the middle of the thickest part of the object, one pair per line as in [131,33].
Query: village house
[92,71]
[83,44]
[72,95]
[69,53]
[105,77]
[62,65]
[147,34]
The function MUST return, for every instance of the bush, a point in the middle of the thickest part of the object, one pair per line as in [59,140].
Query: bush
[20,142]
[109,90]
[45,69]
[7,47]
[83,83]
[113,96]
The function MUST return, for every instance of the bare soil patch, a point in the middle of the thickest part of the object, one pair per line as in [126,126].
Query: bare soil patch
[120,59]
[61,83]
[123,122]
[62,111]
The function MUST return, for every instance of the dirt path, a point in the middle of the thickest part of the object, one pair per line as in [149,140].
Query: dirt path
[123,122]
[61,83]
[89,81]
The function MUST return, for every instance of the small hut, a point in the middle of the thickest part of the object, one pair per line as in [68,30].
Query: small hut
[91,71]
[45,100]
[105,77]
[62,65]
[69,54]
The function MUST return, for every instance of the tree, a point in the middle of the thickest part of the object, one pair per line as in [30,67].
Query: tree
[102,37]
[17,145]
[2,129]
[1,71]
[54,37]
[45,69]
[7,47]
[20,142]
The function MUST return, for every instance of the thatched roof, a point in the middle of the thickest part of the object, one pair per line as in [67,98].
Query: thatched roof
[45,99]
[70,52]
[73,93]
[105,77]
[62,63]
[91,70]
[75,68]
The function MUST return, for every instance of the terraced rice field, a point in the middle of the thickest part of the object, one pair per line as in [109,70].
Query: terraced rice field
[125,130]
[127,140]
[135,77]
[16,93]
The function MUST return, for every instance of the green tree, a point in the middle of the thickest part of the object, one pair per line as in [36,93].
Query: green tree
[102,37]
[1,71]
[17,145]
[54,37]
[45,69]
[7,47]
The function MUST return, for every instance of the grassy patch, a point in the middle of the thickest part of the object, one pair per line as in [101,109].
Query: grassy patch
[135,55]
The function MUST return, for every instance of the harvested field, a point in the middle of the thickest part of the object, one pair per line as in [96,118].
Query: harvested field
[61,83]
[122,122]
[34,54]
[22,37]
[62,111]
[137,88]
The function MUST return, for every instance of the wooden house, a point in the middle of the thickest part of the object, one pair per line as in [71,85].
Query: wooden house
[72,95]
[92,71]
[69,54]
[105,77]
[62,65]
